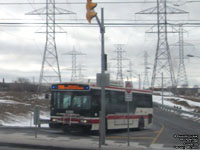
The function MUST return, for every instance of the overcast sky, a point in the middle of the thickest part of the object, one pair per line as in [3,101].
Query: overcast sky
[22,48]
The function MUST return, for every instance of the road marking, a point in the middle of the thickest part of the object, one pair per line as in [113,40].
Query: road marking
[158,135]
[156,132]
[125,137]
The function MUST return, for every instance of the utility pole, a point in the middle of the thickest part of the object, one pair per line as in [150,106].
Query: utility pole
[102,77]
[103,105]
[130,71]
[139,81]
[50,70]
[146,72]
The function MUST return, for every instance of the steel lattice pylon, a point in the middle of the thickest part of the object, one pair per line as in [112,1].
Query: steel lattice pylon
[50,71]
[50,57]
[119,50]
[74,68]
[182,75]
[163,61]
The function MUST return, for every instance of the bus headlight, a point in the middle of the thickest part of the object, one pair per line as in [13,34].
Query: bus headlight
[84,121]
[53,120]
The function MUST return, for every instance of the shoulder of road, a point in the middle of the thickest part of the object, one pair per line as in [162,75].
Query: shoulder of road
[25,138]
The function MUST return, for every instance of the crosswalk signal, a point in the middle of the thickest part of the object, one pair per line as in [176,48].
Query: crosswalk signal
[90,12]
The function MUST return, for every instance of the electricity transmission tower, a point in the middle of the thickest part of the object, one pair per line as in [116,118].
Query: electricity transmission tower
[119,50]
[146,72]
[182,75]
[74,68]
[50,71]
[163,61]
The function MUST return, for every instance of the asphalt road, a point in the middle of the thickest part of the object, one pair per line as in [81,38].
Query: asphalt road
[15,148]
[174,126]
[168,131]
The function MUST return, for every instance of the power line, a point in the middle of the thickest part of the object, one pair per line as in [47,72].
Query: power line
[189,24]
[99,2]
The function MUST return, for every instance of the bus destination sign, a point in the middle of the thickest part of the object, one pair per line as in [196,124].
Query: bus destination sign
[70,87]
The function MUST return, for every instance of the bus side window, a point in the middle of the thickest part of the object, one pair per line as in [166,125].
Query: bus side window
[108,102]
[117,102]
[142,100]
[96,94]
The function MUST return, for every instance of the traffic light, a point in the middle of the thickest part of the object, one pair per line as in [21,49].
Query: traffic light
[90,12]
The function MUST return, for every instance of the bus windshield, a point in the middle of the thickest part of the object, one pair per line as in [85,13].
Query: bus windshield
[71,100]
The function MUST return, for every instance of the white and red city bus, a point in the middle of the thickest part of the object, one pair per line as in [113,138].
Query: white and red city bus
[77,106]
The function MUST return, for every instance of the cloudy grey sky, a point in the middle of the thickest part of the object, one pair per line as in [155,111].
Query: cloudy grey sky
[22,48]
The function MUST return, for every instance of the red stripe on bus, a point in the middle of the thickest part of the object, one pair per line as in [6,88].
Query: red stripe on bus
[126,117]
[109,117]
[112,117]
[94,121]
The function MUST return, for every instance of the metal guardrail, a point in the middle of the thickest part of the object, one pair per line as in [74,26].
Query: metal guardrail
[176,110]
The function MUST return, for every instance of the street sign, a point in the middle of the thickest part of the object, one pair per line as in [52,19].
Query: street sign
[128,88]
[103,79]
[36,115]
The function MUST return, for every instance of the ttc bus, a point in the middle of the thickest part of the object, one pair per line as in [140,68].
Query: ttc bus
[77,106]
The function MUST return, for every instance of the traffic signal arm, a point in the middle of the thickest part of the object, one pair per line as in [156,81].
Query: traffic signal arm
[90,12]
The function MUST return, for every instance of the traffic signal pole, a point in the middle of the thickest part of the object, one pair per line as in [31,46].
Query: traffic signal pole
[103,116]
[89,15]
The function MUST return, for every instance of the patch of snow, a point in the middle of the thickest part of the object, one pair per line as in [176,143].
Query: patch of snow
[187,115]
[8,101]
[3,101]
[38,96]
[23,120]
[158,99]
[191,103]
[164,93]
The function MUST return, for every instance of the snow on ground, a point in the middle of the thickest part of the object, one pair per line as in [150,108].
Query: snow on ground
[191,103]
[38,96]
[26,120]
[3,101]
[158,99]
[23,120]
[166,101]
